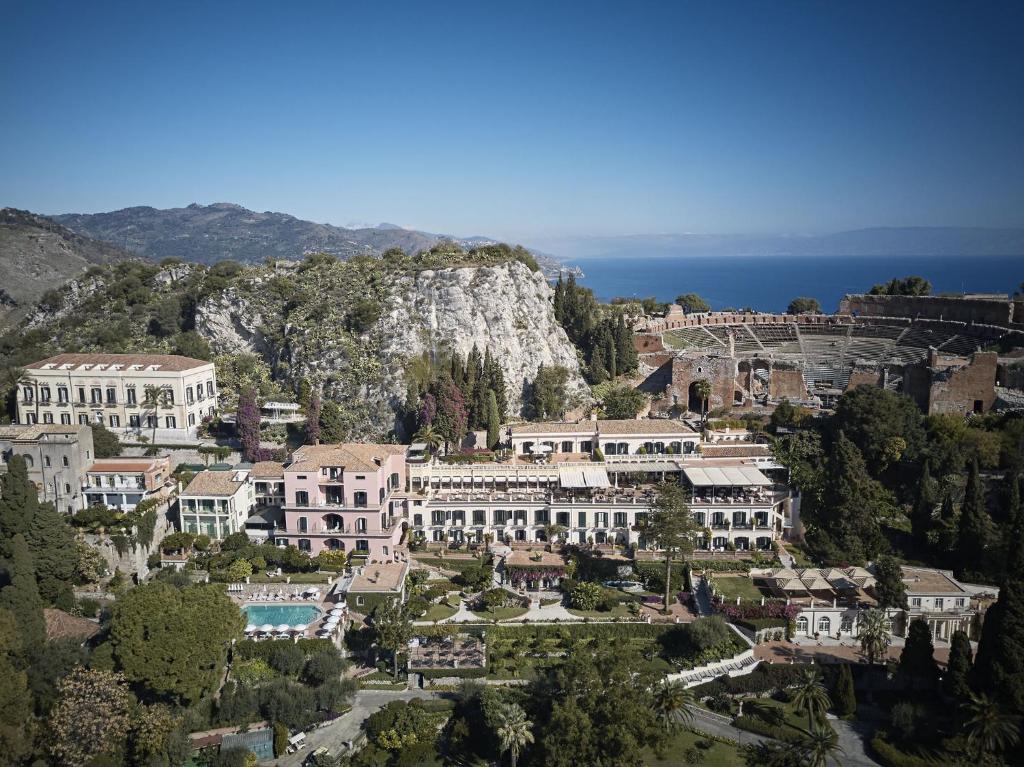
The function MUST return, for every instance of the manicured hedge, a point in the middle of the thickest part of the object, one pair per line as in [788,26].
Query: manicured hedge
[890,756]
[458,565]
[458,673]
[760,727]
[765,678]
[756,624]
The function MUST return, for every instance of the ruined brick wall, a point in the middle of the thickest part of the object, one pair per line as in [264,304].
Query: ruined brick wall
[786,382]
[865,376]
[1011,374]
[964,389]
[645,343]
[720,372]
[977,310]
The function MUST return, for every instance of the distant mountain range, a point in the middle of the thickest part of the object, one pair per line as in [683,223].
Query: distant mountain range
[881,241]
[37,254]
[210,233]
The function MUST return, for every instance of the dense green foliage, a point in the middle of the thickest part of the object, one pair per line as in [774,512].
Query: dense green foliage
[602,334]
[907,286]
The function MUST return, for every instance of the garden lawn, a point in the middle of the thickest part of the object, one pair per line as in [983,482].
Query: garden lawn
[732,586]
[439,612]
[795,719]
[719,755]
[501,613]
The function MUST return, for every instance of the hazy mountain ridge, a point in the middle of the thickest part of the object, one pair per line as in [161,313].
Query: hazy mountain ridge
[38,254]
[211,233]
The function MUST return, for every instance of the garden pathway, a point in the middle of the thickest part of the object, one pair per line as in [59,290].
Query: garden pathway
[702,596]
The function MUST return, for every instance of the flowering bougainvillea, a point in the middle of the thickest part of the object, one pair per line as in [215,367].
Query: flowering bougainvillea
[750,610]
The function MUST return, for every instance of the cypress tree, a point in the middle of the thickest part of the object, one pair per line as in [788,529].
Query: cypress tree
[844,700]
[956,682]
[493,422]
[21,594]
[54,556]
[973,529]
[18,502]
[598,366]
[999,664]
[610,353]
[481,407]
[921,516]
[560,300]
[624,348]
[917,661]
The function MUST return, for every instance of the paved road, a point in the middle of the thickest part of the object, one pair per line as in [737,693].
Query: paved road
[334,735]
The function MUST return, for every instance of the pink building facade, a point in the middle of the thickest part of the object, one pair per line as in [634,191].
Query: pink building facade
[345,498]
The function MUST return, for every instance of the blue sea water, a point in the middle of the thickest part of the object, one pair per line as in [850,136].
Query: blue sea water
[769,283]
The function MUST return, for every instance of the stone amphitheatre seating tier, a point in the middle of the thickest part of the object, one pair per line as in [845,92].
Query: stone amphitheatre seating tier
[691,338]
[772,336]
[878,331]
[924,338]
[961,345]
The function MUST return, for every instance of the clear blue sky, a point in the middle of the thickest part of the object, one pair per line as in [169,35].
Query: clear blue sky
[522,120]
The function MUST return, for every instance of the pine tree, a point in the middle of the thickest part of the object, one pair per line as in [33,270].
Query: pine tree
[21,594]
[18,502]
[560,300]
[974,527]
[493,422]
[924,507]
[844,699]
[852,505]
[956,681]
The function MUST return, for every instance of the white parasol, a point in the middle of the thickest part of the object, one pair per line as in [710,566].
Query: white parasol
[266,628]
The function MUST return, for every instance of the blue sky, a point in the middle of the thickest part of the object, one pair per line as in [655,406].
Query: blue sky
[522,120]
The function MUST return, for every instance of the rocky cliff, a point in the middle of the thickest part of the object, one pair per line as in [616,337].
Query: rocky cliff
[505,308]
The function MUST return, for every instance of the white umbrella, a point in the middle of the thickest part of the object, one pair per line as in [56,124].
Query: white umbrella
[300,627]
[283,628]
[266,628]
[334,620]
[337,611]
[250,628]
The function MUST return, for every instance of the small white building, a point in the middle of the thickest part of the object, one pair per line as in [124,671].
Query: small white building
[637,436]
[217,502]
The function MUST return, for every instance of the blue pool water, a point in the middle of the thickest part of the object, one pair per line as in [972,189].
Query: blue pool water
[293,615]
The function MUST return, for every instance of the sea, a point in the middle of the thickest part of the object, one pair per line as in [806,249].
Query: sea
[769,283]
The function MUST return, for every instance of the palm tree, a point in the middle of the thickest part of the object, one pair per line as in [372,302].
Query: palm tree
[989,728]
[703,390]
[513,731]
[428,435]
[874,634]
[821,744]
[551,533]
[810,694]
[672,703]
[151,396]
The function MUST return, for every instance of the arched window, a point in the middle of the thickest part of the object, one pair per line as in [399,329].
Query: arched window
[824,624]
[801,623]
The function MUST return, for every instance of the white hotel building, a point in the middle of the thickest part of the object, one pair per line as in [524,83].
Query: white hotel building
[739,504]
[163,397]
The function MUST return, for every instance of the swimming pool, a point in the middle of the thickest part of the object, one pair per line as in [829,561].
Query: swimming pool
[293,615]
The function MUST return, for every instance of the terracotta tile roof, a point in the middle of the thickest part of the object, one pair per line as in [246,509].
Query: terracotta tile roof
[213,483]
[268,470]
[167,362]
[627,426]
[62,625]
[35,431]
[350,455]
[125,464]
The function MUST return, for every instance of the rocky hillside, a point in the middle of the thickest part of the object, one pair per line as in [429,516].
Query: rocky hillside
[355,328]
[210,233]
[37,255]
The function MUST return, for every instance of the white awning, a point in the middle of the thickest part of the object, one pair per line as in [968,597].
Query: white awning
[725,476]
[576,476]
